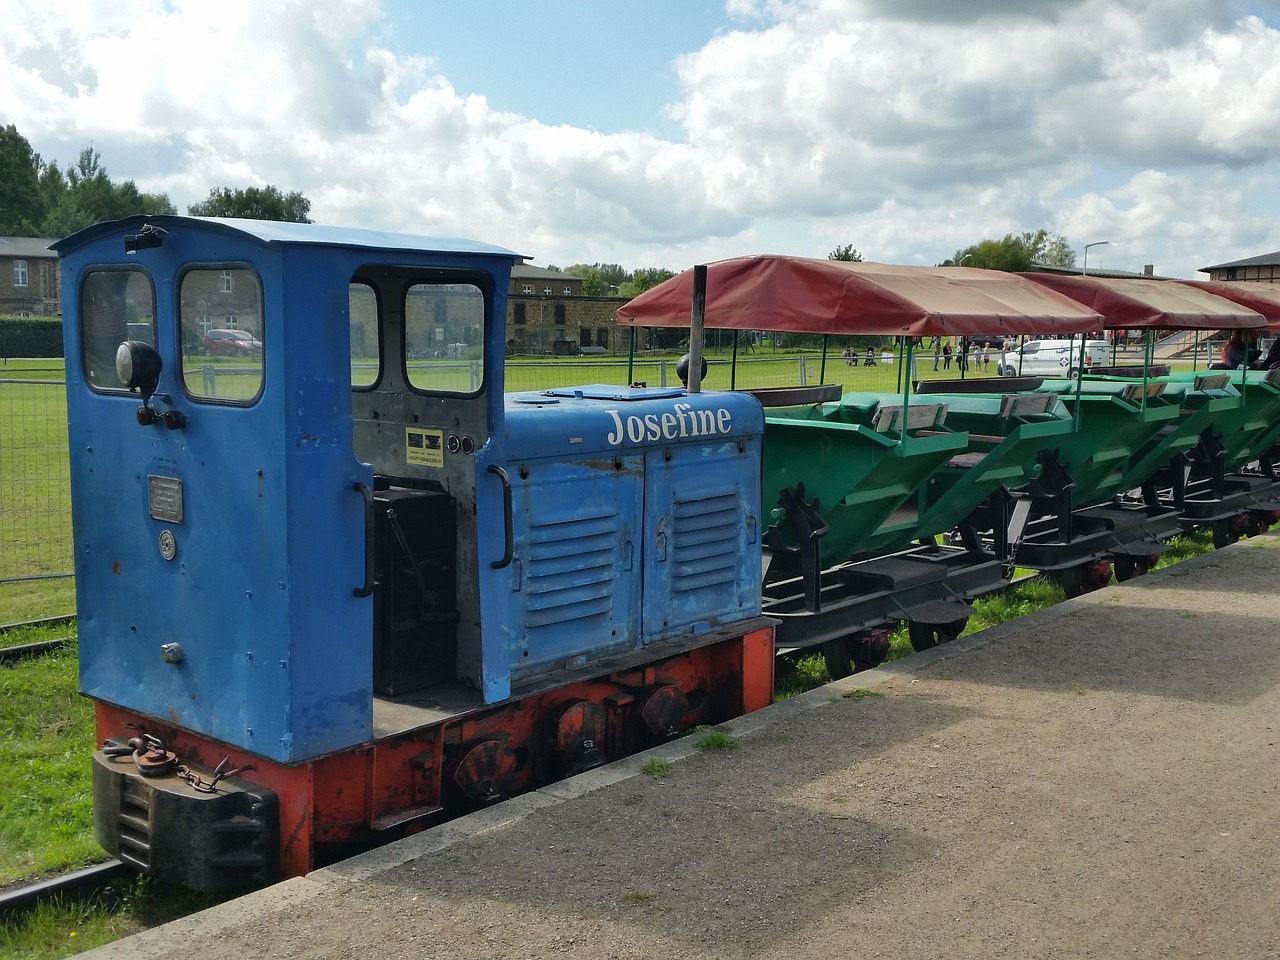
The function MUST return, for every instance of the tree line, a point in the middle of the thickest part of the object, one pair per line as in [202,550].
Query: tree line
[40,199]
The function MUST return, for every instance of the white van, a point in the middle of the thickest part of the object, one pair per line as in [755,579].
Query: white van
[1052,358]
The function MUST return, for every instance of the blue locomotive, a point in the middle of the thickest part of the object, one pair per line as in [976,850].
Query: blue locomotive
[334,585]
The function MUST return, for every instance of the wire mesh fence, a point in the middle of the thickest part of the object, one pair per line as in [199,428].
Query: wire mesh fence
[35,511]
[35,504]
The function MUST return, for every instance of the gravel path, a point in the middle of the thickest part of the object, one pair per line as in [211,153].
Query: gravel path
[1096,780]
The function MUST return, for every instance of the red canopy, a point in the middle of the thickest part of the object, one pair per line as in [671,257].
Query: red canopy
[1133,303]
[1263,297]
[801,295]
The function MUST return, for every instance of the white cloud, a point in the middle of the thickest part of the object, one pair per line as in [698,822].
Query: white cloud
[908,129]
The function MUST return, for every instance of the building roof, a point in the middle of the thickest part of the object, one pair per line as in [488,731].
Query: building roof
[1263,260]
[525,271]
[1098,272]
[26,248]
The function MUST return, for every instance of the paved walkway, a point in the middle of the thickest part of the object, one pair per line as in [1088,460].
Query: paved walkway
[1096,780]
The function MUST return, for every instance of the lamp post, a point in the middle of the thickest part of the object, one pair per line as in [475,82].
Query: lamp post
[1084,271]
[967,256]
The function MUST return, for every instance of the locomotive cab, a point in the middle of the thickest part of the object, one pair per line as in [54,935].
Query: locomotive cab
[316,540]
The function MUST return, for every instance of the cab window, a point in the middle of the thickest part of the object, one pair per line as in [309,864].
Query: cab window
[365,355]
[220,315]
[115,305]
[444,337]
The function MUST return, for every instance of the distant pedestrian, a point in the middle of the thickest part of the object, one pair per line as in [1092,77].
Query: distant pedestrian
[986,357]
[946,356]
[936,353]
[848,357]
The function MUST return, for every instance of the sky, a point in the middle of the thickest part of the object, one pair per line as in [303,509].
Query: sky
[677,131]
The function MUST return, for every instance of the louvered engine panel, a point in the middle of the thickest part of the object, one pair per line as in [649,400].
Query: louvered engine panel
[702,538]
[573,594]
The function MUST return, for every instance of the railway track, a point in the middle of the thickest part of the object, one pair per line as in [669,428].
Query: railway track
[18,651]
[69,887]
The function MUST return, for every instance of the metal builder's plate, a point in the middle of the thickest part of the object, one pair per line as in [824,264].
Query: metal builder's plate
[164,498]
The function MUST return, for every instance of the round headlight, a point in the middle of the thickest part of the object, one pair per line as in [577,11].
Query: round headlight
[138,366]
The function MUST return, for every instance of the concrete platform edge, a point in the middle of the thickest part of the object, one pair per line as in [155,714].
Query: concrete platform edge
[290,895]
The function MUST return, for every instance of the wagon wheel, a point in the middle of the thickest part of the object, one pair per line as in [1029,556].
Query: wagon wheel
[1072,580]
[838,657]
[1126,568]
[1224,534]
[927,635]
[870,649]
[849,654]
[1085,577]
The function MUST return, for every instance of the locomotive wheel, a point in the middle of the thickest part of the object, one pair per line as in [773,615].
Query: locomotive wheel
[925,636]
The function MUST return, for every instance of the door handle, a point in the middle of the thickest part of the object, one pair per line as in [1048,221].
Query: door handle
[508,531]
[367,495]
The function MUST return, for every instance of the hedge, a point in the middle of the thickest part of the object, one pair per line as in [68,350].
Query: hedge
[30,337]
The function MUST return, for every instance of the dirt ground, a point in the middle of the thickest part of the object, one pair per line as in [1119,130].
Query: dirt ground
[1096,780]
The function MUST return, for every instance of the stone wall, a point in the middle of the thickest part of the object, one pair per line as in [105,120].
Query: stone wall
[535,325]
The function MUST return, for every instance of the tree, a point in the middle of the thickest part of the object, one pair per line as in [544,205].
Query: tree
[254,203]
[846,252]
[1015,253]
[84,195]
[22,206]
[598,279]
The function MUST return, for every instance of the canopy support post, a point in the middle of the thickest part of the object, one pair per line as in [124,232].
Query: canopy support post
[733,362]
[697,316]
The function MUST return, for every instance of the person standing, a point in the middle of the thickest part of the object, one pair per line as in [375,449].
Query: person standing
[937,355]
[946,356]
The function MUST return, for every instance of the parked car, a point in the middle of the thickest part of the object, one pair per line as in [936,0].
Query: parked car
[1053,358]
[231,343]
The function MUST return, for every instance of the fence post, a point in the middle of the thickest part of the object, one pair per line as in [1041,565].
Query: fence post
[804,372]
[662,373]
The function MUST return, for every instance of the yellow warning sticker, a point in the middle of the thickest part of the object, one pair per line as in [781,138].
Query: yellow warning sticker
[424,448]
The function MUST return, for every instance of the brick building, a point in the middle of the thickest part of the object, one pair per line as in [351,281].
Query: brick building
[30,278]
[547,314]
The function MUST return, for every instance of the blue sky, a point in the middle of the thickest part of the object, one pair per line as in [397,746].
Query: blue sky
[681,132]
[599,65]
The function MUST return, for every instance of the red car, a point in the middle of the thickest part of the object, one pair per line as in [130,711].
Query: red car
[231,343]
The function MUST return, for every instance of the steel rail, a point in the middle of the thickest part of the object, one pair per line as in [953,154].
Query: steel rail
[68,887]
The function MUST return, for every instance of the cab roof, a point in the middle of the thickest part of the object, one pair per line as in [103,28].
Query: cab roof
[270,232]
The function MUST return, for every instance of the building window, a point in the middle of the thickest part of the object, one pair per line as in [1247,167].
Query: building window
[21,277]
[1229,274]
[526,289]
[546,291]
[567,291]
[231,322]
[602,337]
[519,315]
[225,283]
[560,314]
